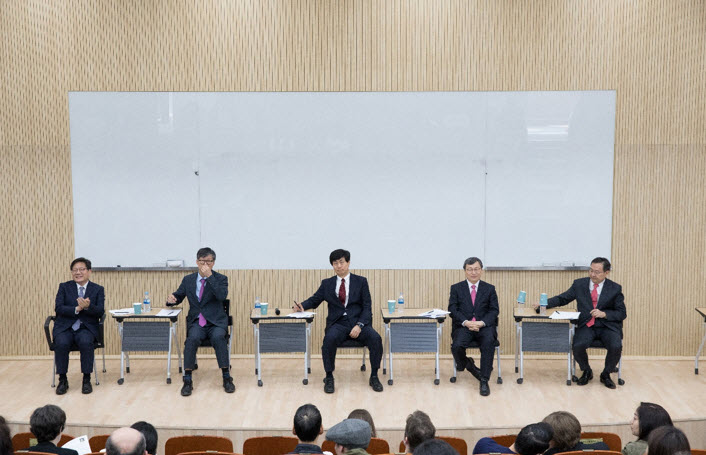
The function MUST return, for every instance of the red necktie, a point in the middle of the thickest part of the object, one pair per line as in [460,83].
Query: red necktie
[473,297]
[594,300]
[342,292]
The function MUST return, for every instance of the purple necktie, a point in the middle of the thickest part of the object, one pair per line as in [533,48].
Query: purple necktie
[202,320]
[76,325]
[473,297]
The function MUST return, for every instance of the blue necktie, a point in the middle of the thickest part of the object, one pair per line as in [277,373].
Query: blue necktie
[76,325]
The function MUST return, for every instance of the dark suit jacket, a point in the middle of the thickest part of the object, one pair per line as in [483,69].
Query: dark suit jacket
[461,306]
[48,447]
[611,301]
[359,307]
[66,303]
[211,304]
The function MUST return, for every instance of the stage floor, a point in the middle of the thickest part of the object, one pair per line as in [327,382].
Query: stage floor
[455,408]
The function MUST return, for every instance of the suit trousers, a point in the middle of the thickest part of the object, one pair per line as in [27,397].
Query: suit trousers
[338,333]
[195,334]
[584,336]
[462,338]
[63,341]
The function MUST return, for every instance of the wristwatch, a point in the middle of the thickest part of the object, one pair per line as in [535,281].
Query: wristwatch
[360,324]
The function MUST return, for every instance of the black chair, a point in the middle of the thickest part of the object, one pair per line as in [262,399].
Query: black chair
[598,344]
[97,344]
[229,336]
[476,345]
[351,343]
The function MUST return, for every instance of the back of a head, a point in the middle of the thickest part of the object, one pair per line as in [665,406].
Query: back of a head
[418,429]
[307,422]
[566,427]
[435,447]
[534,439]
[125,441]
[651,416]
[5,438]
[363,414]
[47,422]
[667,440]
[150,435]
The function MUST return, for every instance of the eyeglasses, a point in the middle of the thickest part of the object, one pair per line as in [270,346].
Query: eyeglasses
[206,261]
[475,269]
[79,270]
[596,272]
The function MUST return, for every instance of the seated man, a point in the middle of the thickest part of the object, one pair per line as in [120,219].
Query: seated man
[349,316]
[307,427]
[126,441]
[47,423]
[352,437]
[532,440]
[417,430]
[149,432]
[79,307]
[567,434]
[474,309]
[206,291]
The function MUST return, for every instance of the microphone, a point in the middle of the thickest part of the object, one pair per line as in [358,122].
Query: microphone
[277,311]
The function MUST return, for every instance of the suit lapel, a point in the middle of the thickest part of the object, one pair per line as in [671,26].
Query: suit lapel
[481,289]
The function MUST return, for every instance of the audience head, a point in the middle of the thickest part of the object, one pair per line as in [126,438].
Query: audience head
[434,447]
[350,434]
[667,440]
[5,438]
[567,430]
[150,435]
[47,422]
[533,439]
[648,416]
[417,430]
[307,423]
[125,441]
[363,414]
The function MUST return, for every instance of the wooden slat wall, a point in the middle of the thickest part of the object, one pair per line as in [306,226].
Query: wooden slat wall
[651,52]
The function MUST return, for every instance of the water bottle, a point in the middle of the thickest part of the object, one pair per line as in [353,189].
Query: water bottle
[257,305]
[147,303]
[400,302]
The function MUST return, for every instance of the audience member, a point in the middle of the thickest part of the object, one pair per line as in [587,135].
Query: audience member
[351,436]
[5,438]
[47,423]
[125,441]
[363,414]
[150,435]
[418,429]
[307,427]
[668,440]
[531,440]
[567,434]
[435,447]
[647,417]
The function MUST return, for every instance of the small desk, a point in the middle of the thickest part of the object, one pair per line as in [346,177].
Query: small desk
[271,336]
[541,336]
[147,332]
[411,336]
[702,312]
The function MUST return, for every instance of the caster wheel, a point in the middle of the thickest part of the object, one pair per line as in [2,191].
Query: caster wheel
[308,370]
[621,382]
[568,382]
[259,383]
[180,370]
[696,371]
[362,368]
[519,380]
[104,370]
[516,370]
[453,379]
[230,367]
[169,380]
[120,381]
[127,369]
[436,382]
[196,366]
[305,381]
[500,380]
[384,371]
[389,382]
[255,370]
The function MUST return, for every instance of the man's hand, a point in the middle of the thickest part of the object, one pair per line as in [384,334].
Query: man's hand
[535,305]
[355,332]
[297,307]
[83,303]
[596,313]
[475,326]
[205,270]
[171,299]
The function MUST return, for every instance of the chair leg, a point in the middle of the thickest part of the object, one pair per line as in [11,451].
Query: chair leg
[53,374]
[95,370]
[500,373]
[362,367]
[104,360]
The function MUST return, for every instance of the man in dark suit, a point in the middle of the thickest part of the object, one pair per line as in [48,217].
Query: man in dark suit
[474,309]
[602,306]
[46,424]
[349,316]
[79,306]
[206,291]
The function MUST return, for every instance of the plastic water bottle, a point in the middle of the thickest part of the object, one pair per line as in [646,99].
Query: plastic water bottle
[400,302]
[147,303]
[257,305]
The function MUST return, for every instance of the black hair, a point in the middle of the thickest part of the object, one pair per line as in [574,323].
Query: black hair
[604,261]
[418,429]
[84,260]
[534,439]
[472,260]
[307,422]
[150,434]
[5,438]
[667,440]
[651,416]
[47,422]
[338,254]
[205,252]
[434,447]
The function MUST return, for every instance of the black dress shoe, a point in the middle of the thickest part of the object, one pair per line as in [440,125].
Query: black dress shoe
[328,385]
[484,388]
[473,369]
[228,385]
[62,387]
[605,379]
[375,383]
[585,377]
[187,388]
[86,387]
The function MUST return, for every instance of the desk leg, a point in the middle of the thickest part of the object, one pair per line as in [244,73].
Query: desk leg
[698,353]
[438,340]
[569,358]
[169,353]
[258,370]
[178,343]
[305,381]
[386,349]
[522,355]
[122,354]
[517,344]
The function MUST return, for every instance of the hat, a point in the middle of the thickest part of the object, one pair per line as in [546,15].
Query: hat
[351,434]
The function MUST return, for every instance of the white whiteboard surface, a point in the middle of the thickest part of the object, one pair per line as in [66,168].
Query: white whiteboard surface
[408,180]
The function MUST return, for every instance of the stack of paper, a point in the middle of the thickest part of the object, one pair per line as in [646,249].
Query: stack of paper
[565,315]
[123,311]
[435,313]
[301,314]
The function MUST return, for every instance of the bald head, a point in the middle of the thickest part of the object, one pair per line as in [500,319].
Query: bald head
[125,441]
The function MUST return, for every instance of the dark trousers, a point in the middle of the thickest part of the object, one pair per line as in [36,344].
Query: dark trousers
[63,341]
[338,333]
[195,334]
[462,338]
[584,336]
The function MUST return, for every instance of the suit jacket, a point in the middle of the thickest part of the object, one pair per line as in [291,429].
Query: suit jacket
[211,304]
[66,303]
[461,306]
[359,307]
[611,301]
[48,447]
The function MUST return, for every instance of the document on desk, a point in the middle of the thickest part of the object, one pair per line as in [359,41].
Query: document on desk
[435,313]
[122,311]
[301,314]
[565,315]
[166,312]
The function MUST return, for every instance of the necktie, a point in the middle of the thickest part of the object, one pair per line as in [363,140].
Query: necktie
[76,325]
[342,292]
[473,297]
[202,319]
[594,300]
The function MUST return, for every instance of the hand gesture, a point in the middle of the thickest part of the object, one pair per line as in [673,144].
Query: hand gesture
[355,332]
[171,299]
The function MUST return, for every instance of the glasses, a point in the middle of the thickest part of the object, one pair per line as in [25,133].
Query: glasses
[474,269]
[206,261]
[79,270]
[596,272]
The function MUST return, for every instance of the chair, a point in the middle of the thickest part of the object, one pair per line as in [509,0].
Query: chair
[377,446]
[592,452]
[27,452]
[94,453]
[505,440]
[21,441]
[598,344]
[476,345]
[351,343]
[181,444]
[698,452]
[229,336]
[269,445]
[205,452]
[612,440]
[97,344]
[457,443]
[97,442]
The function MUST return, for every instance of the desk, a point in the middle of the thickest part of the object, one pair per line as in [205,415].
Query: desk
[702,312]
[541,336]
[271,336]
[147,332]
[401,335]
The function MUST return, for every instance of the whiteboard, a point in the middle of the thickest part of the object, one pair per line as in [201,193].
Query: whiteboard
[405,180]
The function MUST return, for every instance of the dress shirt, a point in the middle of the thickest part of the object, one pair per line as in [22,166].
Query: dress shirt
[348,286]
[78,291]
